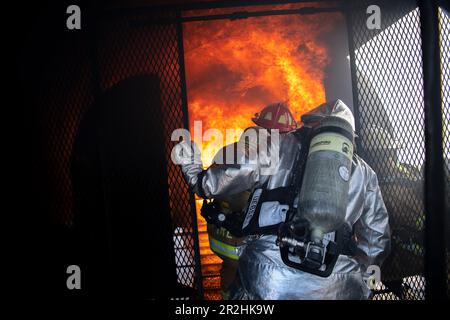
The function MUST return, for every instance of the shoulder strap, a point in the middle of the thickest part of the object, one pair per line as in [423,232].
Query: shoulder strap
[303,135]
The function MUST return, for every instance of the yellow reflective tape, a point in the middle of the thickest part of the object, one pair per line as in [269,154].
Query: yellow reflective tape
[331,141]
[223,249]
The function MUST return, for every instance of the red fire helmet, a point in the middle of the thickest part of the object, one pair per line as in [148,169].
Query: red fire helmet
[275,116]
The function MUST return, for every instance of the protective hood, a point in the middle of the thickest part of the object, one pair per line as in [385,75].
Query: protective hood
[335,108]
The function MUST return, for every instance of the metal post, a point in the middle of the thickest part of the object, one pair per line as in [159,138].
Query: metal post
[184,106]
[435,262]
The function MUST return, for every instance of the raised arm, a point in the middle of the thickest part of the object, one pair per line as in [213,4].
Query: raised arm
[218,179]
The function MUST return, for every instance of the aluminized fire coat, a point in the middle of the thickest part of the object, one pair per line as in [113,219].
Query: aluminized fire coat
[262,273]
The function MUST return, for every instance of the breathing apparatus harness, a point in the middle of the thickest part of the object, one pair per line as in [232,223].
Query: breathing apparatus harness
[297,249]
[274,212]
[213,214]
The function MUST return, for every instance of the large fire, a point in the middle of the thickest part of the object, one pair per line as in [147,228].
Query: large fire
[234,68]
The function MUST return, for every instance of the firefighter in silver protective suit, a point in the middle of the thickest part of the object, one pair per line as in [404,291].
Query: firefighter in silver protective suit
[324,272]
[224,236]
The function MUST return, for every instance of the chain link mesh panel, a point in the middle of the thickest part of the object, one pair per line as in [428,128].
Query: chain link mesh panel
[149,44]
[126,48]
[389,86]
[444,32]
[61,102]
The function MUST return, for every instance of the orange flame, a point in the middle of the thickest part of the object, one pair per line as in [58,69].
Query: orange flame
[234,68]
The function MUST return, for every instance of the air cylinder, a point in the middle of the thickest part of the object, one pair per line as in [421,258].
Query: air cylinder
[323,196]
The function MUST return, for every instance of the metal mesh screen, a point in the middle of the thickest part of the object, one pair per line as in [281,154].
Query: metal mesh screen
[444,30]
[139,44]
[126,47]
[390,109]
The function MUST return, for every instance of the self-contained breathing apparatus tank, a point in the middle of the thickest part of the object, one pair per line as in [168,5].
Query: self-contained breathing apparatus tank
[322,200]
[324,193]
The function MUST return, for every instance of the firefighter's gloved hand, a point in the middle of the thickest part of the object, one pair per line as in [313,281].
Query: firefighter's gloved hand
[188,156]
[186,152]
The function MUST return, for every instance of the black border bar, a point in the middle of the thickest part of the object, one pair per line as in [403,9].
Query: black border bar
[435,260]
